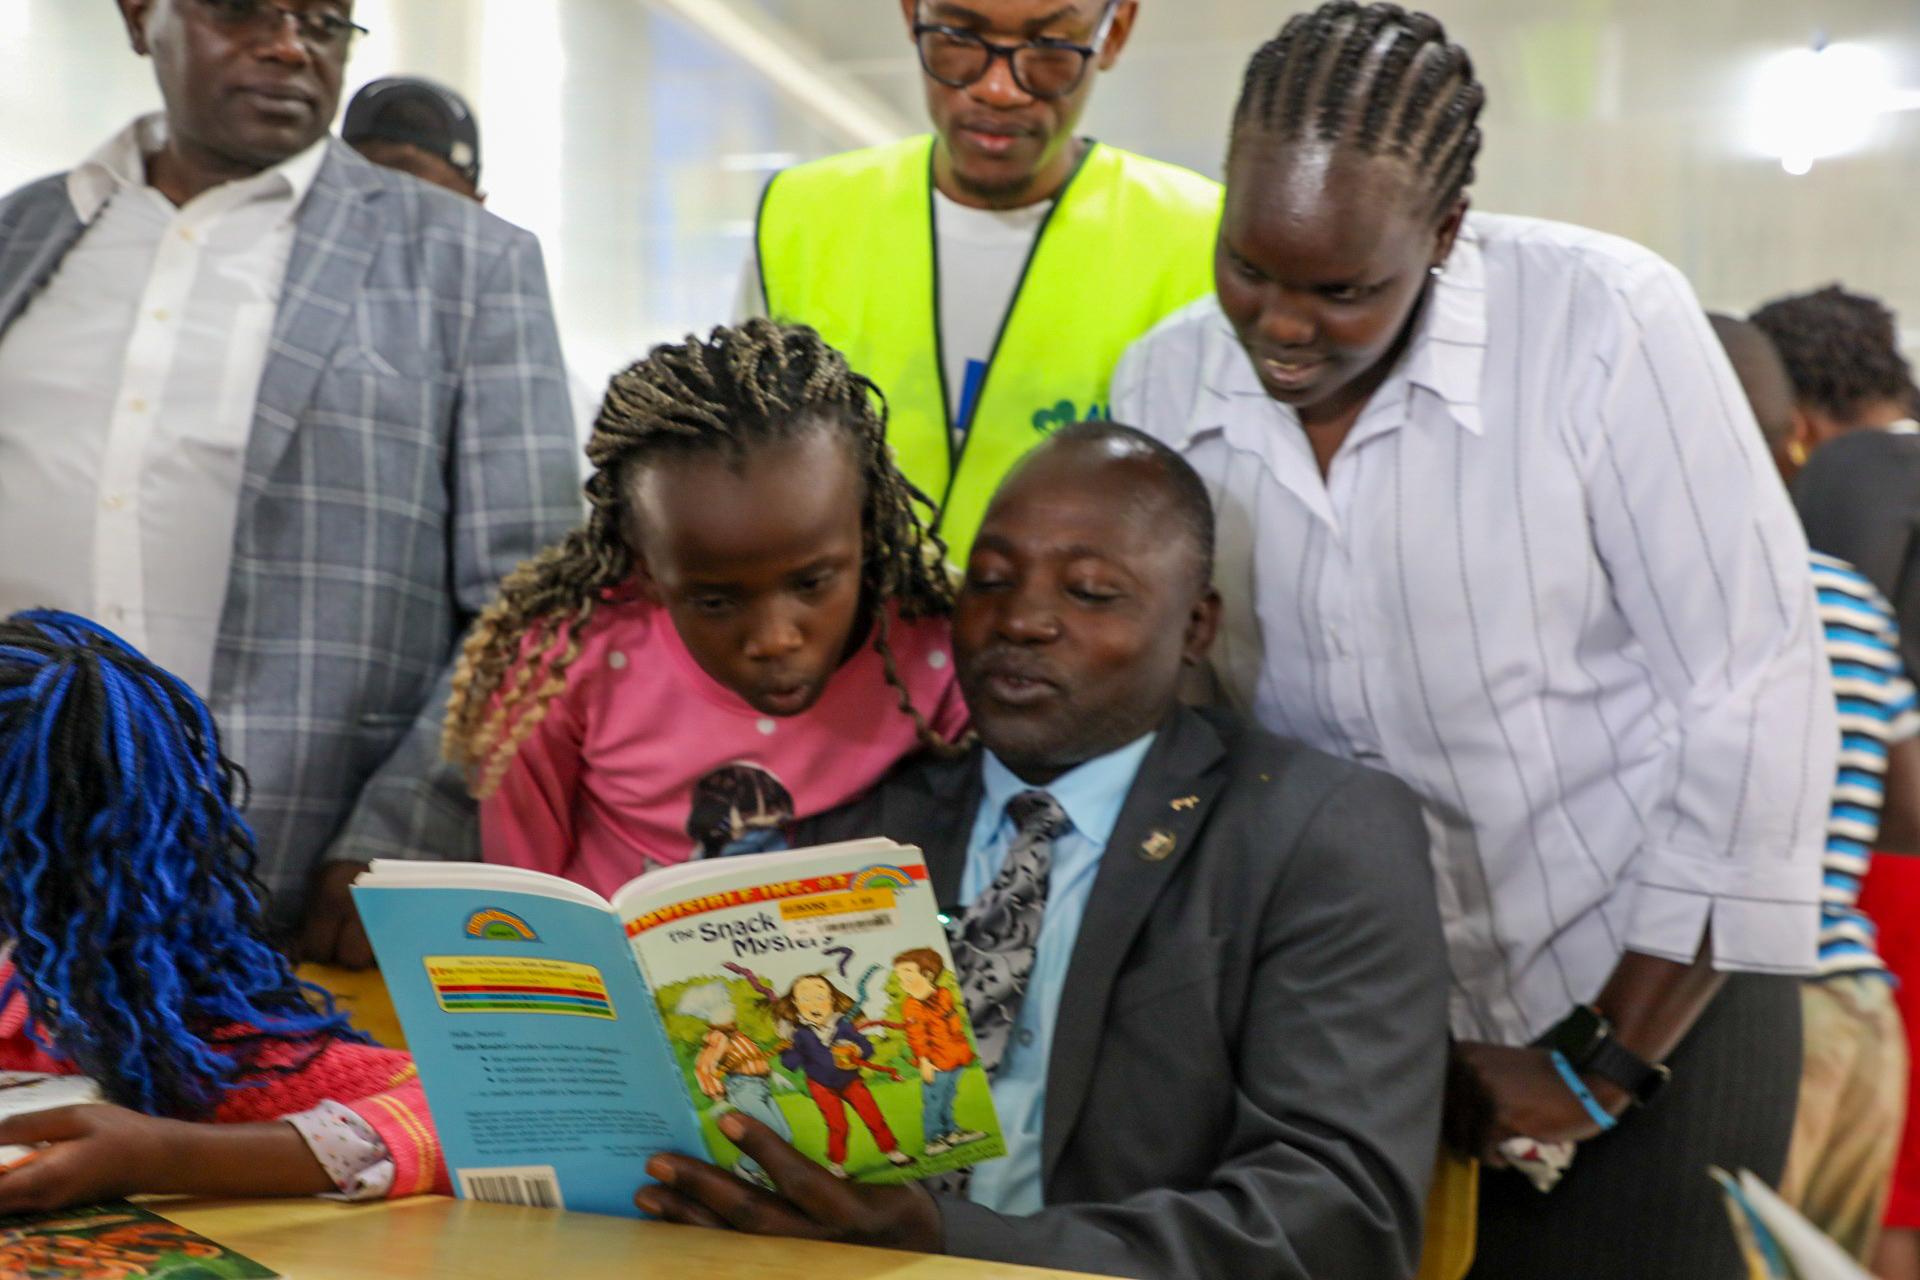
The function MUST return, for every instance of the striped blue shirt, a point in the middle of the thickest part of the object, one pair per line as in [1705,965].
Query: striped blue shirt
[1877,708]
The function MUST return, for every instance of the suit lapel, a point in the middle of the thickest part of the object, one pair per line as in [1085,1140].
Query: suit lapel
[1170,800]
[334,245]
[940,821]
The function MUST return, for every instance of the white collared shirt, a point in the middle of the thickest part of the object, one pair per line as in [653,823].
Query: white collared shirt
[1552,582]
[127,390]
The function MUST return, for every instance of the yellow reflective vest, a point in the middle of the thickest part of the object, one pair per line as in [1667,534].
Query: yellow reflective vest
[846,245]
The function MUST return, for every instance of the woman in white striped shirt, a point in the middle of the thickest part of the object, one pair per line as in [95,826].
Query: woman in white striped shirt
[1493,517]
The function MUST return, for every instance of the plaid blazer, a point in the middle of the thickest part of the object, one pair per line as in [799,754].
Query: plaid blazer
[411,443]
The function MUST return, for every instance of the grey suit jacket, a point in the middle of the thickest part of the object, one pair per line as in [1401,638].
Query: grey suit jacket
[412,441]
[1246,1072]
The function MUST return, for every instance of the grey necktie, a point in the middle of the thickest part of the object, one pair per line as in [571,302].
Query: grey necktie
[993,939]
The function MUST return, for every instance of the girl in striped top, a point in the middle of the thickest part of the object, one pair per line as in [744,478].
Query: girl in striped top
[1878,710]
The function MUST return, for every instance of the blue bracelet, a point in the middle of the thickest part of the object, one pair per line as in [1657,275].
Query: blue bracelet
[1601,1116]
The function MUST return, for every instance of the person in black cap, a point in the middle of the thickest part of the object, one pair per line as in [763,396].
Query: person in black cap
[418,127]
[236,433]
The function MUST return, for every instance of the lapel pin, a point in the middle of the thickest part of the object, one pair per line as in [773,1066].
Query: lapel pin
[1157,847]
[1185,803]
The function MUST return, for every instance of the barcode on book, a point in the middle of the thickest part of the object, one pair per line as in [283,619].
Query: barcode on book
[534,1186]
[863,924]
[818,927]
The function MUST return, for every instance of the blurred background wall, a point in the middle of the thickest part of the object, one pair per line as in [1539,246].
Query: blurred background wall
[634,135]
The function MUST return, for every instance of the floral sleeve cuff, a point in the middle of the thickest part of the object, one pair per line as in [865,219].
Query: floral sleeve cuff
[348,1149]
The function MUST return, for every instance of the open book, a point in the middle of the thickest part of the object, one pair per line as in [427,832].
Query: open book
[562,1038]
[1775,1241]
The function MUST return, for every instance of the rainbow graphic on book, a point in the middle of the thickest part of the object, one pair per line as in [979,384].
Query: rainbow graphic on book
[882,876]
[496,984]
[496,925]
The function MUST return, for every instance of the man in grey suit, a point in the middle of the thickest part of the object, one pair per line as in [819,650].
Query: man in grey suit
[283,419]
[1209,983]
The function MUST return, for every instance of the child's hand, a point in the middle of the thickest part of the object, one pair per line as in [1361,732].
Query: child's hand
[332,932]
[100,1152]
[926,1070]
[95,1152]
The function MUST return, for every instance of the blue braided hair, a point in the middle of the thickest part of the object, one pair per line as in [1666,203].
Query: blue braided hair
[127,878]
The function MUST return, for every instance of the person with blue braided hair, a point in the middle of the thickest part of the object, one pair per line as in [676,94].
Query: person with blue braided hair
[136,953]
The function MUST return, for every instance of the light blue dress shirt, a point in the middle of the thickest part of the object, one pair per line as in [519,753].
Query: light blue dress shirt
[1091,796]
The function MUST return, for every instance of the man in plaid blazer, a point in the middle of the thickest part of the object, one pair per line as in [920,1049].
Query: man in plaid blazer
[410,440]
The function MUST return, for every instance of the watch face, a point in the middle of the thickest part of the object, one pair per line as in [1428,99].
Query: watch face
[1577,1035]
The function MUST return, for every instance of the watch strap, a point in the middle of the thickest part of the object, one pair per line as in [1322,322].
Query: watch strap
[1614,1062]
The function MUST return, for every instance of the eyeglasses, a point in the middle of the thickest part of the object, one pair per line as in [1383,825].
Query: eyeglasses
[318,28]
[1043,68]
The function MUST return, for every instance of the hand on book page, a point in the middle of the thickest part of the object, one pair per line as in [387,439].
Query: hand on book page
[805,1200]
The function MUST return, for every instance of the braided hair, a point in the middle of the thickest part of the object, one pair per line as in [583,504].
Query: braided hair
[1376,78]
[126,879]
[735,390]
[1842,350]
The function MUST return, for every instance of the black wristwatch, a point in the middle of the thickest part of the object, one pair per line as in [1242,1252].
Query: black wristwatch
[1585,1039]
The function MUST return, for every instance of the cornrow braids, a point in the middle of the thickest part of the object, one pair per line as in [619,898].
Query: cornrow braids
[1841,349]
[733,391]
[127,879]
[1376,78]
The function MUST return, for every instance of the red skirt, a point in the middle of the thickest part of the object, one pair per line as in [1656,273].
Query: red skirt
[1891,899]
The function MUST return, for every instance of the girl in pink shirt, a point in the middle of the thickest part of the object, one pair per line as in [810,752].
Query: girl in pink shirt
[750,628]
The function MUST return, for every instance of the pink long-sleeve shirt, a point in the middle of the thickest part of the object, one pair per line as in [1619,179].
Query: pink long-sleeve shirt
[646,760]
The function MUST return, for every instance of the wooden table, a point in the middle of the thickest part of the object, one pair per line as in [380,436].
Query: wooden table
[428,1237]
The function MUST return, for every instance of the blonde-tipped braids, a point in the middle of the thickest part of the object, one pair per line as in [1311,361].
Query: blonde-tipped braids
[735,390]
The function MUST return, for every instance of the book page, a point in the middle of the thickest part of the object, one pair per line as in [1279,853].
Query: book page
[388,873]
[813,990]
[668,884]
[543,1058]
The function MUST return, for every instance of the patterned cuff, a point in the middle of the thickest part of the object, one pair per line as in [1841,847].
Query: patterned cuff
[348,1149]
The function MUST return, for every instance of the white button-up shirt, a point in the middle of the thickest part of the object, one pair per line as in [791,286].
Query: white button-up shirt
[1552,582]
[126,399]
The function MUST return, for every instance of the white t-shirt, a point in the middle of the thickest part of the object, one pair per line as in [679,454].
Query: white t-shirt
[981,254]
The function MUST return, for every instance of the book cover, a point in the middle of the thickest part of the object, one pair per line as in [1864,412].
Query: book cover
[562,1039]
[540,1050]
[115,1241]
[822,1001]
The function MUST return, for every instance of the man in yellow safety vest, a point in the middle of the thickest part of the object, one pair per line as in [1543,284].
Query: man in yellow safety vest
[987,276]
